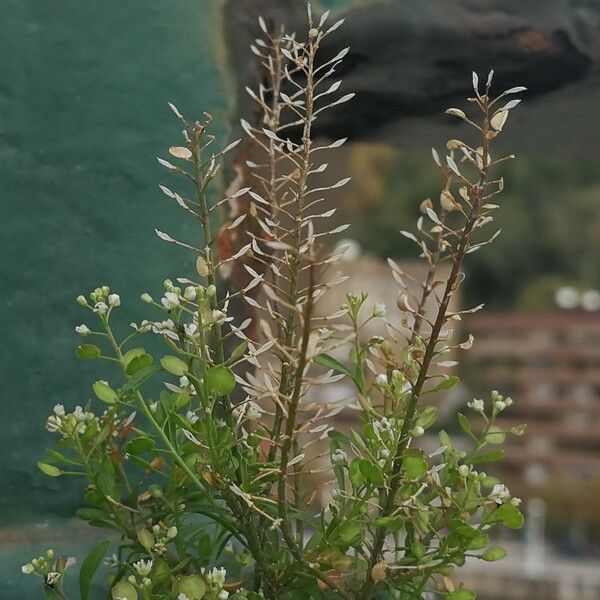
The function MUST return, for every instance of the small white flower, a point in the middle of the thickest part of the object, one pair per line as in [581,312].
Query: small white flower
[114,300]
[253,411]
[153,406]
[499,405]
[223,595]
[379,310]
[147,298]
[190,293]
[515,501]
[79,414]
[477,405]
[190,329]
[170,300]
[191,417]
[339,456]
[52,578]
[182,596]
[508,401]
[500,493]
[184,381]
[381,380]
[27,569]
[59,410]
[81,300]
[143,567]
[418,431]
[384,453]
[83,330]
[100,308]
[171,532]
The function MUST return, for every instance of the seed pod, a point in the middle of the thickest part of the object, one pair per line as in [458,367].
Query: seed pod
[202,267]
[427,203]
[447,201]
[123,590]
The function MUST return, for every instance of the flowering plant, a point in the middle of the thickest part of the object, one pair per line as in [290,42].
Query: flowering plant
[204,456]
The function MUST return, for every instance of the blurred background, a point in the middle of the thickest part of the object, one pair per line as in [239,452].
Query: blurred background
[84,88]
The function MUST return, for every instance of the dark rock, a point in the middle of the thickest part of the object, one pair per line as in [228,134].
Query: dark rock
[415,58]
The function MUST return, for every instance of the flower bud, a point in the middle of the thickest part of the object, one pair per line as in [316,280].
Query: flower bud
[114,300]
[81,300]
[418,431]
[146,298]
[379,310]
[381,380]
[190,293]
[83,330]
[463,470]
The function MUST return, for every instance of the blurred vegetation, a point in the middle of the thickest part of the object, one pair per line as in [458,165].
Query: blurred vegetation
[550,221]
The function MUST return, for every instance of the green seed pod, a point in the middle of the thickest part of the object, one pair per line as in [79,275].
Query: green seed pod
[124,590]
[192,586]
[155,490]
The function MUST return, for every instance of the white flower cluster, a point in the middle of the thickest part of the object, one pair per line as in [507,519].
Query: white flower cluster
[215,579]
[69,423]
[500,494]
[162,538]
[44,566]
[102,300]
[248,410]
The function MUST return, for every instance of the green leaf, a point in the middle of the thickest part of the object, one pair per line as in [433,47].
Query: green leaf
[464,423]
[220,380]
[510,516]
[486,457]
[238,352]
[88,351]
[371,471]
[91,514]
[494,553]
[332,363]
[174,365]
[446,384]
[137,363]
[180,400]
[139,445]
[463,529]
[339,437]
[104,392]
[478,542]
[348,533]
[139,377]
[49,470]
[413,463]
[392,524]
[356,476]
[51,594]
[461,594]
[90,566]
